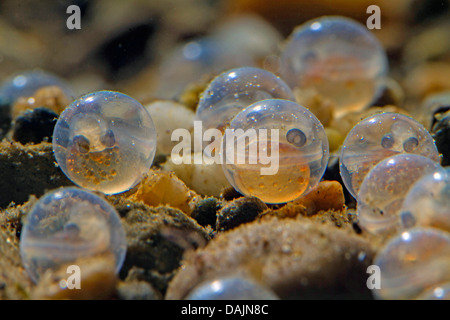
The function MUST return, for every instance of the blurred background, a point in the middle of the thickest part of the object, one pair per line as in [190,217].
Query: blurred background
[155,49]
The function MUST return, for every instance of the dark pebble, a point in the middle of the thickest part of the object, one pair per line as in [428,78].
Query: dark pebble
[230,194]
[333,174]
[441,134]
[5,116]
[242,210]
[440,112]
[35,126]
[205,213]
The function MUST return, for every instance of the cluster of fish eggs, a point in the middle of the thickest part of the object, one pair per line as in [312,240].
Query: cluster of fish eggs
[390,164]
[103,142]
[259,118]
[106,142]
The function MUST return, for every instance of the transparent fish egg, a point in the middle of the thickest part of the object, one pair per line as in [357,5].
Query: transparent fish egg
[105,141]
[240,40]
[379,137]
[232,91]
[338,58]
[68,224]
[413,263]
[27,83]
[275,150]
[428,203]
[194,60]
[385,187]
[231,288]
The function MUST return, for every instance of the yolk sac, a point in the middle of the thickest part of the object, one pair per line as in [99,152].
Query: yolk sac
[27,83]
[378,137]
[105,141]
[68,224]
[414,265]
[231,288]
[275,150]
[385,187]
[339,59]
[232,91]
[428,202]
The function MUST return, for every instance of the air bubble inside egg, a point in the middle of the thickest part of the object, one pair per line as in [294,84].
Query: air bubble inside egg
[338,58]
[105,141]
[379,137]
[428,202]
[414,263]
[385,187]
[69,224]
[275,150]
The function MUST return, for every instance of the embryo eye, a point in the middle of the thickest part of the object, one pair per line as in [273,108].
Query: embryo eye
[81,144]
[388,141]
[108,139]
[410,144]
[296,137]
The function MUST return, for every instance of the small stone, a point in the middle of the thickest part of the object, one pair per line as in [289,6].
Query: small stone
[441,135]
[205,179]
[27,170]
[391,94]
[137,290]
[5,116]
[230,194]
[157,238]
[35,126]
[440,113]
[327,196]
[296,258]
[164,188]
[169,116]
[239,211]
[333,174]
[205,212]
[51,97]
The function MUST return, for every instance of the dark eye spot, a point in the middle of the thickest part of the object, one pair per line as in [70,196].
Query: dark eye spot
[387,141]
[81,143]
[296,137]
[408,220]
[72,228]
[410,144]
[309,56]
[108,139]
